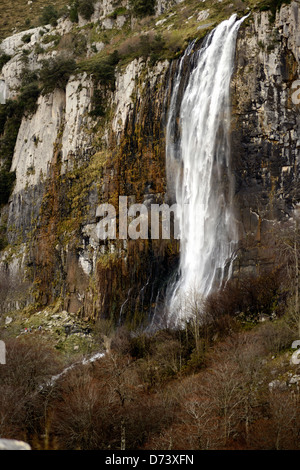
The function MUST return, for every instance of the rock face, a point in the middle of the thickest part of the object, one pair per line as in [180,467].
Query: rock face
[36,137]
[68,161]
[266,129]
[64,169]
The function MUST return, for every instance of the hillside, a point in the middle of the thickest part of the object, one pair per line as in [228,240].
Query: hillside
[20,15]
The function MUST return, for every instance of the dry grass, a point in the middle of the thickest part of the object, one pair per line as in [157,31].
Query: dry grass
[15,16]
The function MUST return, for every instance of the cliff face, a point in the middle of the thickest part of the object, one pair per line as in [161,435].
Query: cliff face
[68,159]
[265,130]
[67,162]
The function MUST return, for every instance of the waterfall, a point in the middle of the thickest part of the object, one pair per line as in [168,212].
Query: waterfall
[198,161]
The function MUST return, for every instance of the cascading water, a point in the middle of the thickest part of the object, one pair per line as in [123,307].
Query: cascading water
[199,168]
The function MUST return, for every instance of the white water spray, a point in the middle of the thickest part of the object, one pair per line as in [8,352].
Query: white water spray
[201,168]
[84,362]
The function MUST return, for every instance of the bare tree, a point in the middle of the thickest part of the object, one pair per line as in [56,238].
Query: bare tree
[286,238]
[29,364]
[284,423]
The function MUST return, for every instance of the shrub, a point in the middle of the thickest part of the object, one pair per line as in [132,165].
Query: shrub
[55,73]
[73,13]
[146,45]
[273,6]
[51,38]
[86,8]
[98,109]
[29,92]
[38,49]
[4,58]
[103,69]
[250,297]
[142,8]
[49,15]
[23,406]
[103,72]
[118,12]
[7,179]
[276,337]
[28,77]
[10,120]
[26,38]
[28,97]
[152,47]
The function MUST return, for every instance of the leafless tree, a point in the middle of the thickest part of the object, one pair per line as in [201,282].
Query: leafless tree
[286,238]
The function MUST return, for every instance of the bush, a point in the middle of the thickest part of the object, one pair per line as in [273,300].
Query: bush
[28,97]
[4,58]
[98,109]
[273,6]
[249,297]
[118,12]
[276,337]
[73,13]
[103,69]
[26,38]
[22,404]
[55,73]
[85,8]
[49,15]
[51,38]
[142,8]
[10,120]
[7,179]
[146,45]
[152,47]
[103,72]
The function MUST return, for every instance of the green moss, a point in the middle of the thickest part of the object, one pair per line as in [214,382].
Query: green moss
[78,184]
[107,259]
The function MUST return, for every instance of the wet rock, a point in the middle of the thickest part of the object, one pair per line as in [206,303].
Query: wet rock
[11,444]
